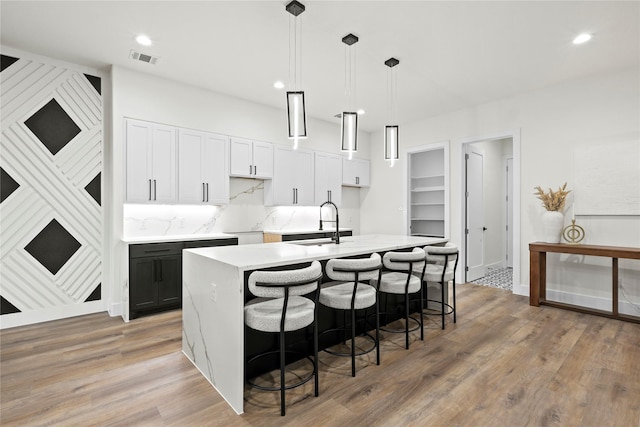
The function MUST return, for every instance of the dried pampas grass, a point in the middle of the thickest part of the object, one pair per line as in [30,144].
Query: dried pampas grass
[552,200]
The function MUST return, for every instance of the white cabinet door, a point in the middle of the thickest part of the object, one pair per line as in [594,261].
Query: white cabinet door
[241,158]
[191,187]
[303,177]
[215,173]
[150,163]
[203,175]
[281,189]
[328,178]
[164,164]
[355,172]
[138,162]
[292,183]
[262,160]
[251,159]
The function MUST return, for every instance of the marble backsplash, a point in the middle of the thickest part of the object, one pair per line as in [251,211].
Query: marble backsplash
[245,214]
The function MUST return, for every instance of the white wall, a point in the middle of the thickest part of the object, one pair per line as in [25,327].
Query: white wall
[554,122]
[145,97]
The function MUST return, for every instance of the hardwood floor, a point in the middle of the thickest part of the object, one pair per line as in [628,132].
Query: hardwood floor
[504,363]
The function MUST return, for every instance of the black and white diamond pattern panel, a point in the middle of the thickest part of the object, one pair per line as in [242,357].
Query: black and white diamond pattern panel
[52,221]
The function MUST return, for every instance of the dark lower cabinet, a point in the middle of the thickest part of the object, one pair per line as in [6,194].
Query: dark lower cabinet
[155,274]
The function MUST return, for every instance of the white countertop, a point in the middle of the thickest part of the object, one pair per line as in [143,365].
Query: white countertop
[304,231]
[263,255]
[176,238]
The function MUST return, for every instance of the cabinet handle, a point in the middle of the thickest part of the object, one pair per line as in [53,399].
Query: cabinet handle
[255,170]
[250,170]
[155,190]
[159,275]
[149,189]
[357,180]
[294,196]
[203,191]
[207,191]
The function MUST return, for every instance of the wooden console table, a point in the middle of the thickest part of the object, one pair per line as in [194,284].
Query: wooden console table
[538,274]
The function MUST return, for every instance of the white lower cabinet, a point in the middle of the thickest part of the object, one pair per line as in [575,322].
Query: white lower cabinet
[355,172]
[150,162]
[328,178]
[203,177]
[292,183]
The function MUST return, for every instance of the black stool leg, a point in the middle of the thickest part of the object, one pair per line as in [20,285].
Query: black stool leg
[442,302]
[315,353]
[454,299]
[282,361]
[406,320]
[421,316]
[377,332]
[353,343]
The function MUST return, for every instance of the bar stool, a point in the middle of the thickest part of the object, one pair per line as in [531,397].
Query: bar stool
[406,271]
[442,262]
[348,292]
[281,307]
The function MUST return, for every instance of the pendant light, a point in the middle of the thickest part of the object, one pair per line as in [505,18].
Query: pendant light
[296,114]
[349,133]
[391,131]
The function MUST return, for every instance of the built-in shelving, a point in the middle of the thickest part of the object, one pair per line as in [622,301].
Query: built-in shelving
[428,191]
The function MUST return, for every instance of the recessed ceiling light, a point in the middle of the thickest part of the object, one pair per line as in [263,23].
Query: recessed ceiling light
[143,40]
[360,111]
[582,38]
[278,85]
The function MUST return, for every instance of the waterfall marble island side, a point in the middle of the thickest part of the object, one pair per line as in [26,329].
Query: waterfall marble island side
[213,298]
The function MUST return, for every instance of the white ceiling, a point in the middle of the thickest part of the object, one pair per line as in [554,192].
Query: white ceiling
[452,54]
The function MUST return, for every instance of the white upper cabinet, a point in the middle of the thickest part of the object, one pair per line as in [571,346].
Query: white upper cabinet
[251,159]
[328,178]
[150,162]
[203,176]
[355,172]
[292,183]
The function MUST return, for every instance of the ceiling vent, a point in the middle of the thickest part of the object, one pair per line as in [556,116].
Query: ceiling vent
[139,56]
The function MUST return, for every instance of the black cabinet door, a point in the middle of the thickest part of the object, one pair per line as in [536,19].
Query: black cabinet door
[143,291]
[169,280]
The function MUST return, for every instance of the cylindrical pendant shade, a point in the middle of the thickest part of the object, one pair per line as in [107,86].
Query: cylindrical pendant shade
[297,117]
[349,131]
[391,142]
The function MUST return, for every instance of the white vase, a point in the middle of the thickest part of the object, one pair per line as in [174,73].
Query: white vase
[552,223]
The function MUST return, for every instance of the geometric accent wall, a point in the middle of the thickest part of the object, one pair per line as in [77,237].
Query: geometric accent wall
[51,167]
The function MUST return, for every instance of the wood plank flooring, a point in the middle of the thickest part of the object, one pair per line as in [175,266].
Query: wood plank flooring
[504,363]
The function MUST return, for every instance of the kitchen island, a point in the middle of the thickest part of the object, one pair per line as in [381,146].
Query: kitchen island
[213,296]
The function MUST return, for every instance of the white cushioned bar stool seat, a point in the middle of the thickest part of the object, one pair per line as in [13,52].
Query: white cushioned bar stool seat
[406,271]
[349,292]
[283,306]
[442,262]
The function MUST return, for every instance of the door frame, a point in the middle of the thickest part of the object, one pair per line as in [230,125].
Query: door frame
[514,134]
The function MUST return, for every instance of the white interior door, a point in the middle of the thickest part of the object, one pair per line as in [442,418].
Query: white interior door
[475,215]
[510,212]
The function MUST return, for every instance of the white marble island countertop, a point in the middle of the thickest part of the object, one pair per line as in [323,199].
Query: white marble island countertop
[213,290]
[263,255]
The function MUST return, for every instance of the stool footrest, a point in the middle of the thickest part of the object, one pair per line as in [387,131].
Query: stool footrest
[364,335]
[302,381]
